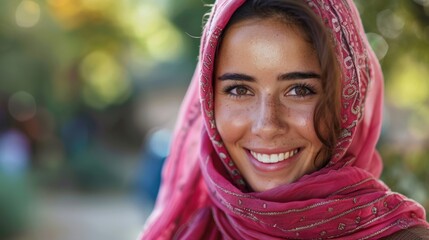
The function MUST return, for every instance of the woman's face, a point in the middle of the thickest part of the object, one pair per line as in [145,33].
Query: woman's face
[267,85]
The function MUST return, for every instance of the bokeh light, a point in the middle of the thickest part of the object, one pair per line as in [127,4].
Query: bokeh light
[27,14]
[389,24]
[22,106]
[105,81]
[159,142]
[408,86]
[161,39]
[378,44]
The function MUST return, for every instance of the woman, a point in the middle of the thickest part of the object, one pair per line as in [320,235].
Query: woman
[276,138]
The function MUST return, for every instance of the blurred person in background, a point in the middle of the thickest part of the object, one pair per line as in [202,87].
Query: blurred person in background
[154,153]
[277,133]
[15,195]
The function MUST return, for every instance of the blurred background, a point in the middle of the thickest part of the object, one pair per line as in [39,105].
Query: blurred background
[90,89]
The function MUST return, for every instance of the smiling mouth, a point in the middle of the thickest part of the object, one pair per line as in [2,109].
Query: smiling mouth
[274,158]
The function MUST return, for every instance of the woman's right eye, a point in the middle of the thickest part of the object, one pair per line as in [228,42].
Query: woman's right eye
[238,91]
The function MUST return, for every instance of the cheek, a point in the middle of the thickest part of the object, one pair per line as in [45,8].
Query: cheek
[303,121]
[301,115]
[232,121]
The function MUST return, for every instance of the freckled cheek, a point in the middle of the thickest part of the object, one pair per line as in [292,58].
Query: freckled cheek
[232,122]
[302,119]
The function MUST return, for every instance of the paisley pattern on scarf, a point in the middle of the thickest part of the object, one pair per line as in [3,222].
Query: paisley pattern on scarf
[203,195]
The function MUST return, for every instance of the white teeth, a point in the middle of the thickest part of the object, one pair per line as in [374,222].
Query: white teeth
[265,158]
[273,158]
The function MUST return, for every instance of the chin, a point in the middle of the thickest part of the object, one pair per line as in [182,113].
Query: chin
[268,185]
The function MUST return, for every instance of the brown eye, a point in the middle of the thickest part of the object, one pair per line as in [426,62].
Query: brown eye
[240,90]
[301,90]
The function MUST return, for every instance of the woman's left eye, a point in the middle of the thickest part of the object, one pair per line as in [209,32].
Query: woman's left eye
[301,90]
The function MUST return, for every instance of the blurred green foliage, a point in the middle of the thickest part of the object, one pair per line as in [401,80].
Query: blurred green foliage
[15,205]
[73,73]
[399,34]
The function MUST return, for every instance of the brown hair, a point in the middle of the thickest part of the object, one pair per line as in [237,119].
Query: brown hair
[327,112]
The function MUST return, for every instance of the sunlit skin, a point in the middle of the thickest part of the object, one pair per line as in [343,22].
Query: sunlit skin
[267,84]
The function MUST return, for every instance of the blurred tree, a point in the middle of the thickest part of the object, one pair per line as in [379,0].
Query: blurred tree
[399,33]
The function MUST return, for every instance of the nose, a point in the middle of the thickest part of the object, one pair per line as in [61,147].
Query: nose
[269,119]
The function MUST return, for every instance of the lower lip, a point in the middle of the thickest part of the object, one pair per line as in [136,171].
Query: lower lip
[271,167]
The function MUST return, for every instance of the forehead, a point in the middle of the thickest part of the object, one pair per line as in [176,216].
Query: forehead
[273,27]
[265,44]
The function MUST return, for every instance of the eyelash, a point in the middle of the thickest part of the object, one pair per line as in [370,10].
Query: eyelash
[311,90]
[228,90]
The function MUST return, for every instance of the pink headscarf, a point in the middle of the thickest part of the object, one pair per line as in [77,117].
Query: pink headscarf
[202,194]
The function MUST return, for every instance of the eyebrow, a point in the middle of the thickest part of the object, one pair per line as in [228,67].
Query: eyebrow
[298,75]
[236,76]
[281,77]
